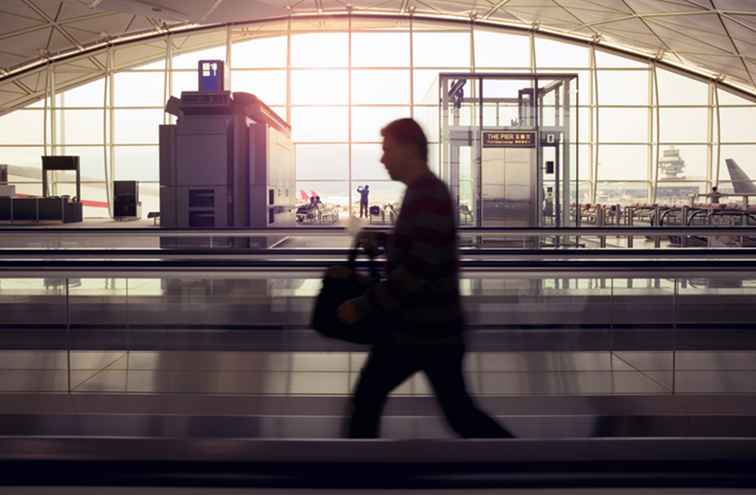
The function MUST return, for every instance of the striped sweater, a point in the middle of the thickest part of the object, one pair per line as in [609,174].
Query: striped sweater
[421,288]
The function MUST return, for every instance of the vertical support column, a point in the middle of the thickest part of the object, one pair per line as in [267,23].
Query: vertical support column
[111,117]
[288,70]
[44,115]
[594,125]
[651,134]
[349,114]
[531,45]
[710,136]
[53,127]
[166,79]
[565,151]
[658,135]
[228,83]
[719,136]
[105,153]
[412,74]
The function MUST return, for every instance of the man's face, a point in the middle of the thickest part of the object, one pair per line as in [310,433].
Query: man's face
[394,155]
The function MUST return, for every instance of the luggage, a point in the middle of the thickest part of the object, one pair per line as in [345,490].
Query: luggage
[341,283]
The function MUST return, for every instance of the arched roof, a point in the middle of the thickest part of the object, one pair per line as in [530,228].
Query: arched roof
[715,38]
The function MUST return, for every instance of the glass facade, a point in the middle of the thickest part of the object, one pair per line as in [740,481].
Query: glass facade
[338,81]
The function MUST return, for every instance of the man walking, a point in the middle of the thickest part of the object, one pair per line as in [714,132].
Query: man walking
[364,192]
[422,293]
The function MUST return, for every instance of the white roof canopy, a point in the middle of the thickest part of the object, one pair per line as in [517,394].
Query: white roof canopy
[714,37]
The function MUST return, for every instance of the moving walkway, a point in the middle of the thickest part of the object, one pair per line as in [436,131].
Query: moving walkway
[610,369]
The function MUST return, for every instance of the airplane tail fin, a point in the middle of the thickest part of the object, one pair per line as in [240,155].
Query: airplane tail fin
[741,182]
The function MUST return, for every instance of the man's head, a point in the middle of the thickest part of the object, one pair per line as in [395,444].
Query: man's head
[405,149]
[714,188]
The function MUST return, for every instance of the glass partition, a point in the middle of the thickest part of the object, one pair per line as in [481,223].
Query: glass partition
[530,333]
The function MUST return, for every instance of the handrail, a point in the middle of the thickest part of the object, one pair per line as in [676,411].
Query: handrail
[340,231]
[341,253]
[657,266]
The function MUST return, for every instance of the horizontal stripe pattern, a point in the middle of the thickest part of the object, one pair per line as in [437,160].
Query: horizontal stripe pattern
[422,283]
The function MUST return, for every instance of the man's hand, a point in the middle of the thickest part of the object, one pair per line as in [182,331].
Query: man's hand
[348,312]
[371,241]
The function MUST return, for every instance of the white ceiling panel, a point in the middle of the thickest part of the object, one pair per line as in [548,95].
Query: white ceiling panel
[691,27]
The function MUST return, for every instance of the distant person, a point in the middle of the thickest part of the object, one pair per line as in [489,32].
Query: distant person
[715,195]
[364,193]
[422,292]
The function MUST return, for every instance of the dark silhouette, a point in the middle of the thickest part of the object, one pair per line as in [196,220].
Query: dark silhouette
[715,195]
[420,293]
[364,192]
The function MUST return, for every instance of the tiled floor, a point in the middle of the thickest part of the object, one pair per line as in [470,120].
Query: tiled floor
[334,373]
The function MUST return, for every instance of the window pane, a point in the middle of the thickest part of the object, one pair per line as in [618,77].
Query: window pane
[678,193]
[149,195]
[368,122]
[91,160]
[138,89]
[156,65]
[628,125]
[728,98]
[137,126]
[137,163]
[319,124]
[623,193]
[322,87]
[425,86]
[259,52]
[623,87]
[743,156]
[269,86]
[738,124]
[442,49]
[382,194]
[553,53]
[682,162]
[82,127]
[22,127]
[626,162]
[25,164]
[497,49]
[94,195]
[184,81]
[380,86]
[191,59]
[88,95]
[366,163]
[610,60]
[380,49]
[683,125]
[427,117]
[331,193]
[322,161]
[676,89]
[320,50]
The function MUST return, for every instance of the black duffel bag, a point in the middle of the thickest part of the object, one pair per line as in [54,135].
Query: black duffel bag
[341,283]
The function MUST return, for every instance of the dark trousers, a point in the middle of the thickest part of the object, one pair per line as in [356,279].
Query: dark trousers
[388,366]
[363,208]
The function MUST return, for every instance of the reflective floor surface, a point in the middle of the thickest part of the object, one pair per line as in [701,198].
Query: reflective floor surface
[98,490]
[334,373]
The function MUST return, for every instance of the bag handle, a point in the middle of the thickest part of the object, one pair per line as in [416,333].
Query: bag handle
[354,252]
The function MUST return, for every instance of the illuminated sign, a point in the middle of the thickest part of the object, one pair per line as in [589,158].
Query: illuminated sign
[508,139]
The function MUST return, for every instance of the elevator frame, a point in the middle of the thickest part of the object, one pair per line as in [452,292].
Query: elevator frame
[562,135]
